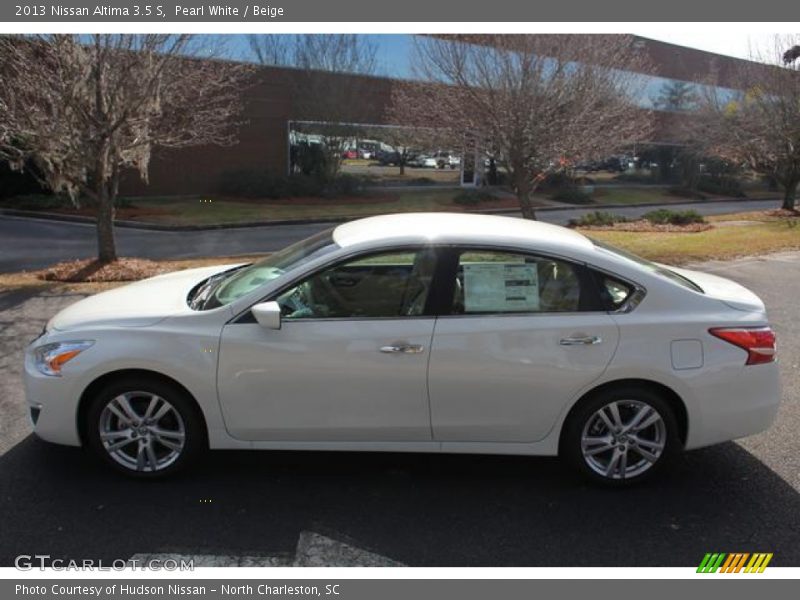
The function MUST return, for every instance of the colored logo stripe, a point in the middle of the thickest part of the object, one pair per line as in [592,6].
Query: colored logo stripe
[710,563]
[758,563]
[734,562]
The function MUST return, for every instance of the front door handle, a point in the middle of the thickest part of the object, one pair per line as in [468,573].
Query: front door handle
[589,340]
[402,349]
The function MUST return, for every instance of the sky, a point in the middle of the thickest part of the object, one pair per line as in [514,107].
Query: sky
[394,50]
[721,42]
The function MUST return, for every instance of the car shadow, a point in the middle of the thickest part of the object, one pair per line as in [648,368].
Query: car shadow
[419,509]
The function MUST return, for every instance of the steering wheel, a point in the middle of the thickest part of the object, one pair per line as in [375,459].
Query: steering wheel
[297,302]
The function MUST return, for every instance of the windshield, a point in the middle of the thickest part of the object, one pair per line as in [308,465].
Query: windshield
[233,285]
[650,266]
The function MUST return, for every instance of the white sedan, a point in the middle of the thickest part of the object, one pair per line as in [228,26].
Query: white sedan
[418,333]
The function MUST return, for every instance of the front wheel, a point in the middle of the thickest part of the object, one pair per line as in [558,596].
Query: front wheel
[144,428]
[619,437]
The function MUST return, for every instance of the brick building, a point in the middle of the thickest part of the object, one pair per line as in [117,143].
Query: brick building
[270,109]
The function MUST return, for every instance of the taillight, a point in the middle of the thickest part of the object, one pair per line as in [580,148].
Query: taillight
[758,342]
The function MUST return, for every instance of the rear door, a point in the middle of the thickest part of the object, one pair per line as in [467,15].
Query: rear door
[523,336]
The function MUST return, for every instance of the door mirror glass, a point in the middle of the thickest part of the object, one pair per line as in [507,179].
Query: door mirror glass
[268,314]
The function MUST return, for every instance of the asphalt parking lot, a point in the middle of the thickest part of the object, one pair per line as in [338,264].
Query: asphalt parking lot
[419,510]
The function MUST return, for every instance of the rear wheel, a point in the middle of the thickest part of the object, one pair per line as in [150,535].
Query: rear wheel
[144,427]
[621,436]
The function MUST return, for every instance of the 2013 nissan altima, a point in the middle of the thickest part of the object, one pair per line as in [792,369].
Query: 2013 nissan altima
[418,333]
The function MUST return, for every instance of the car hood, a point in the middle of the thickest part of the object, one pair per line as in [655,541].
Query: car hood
[731,293]
[138,304]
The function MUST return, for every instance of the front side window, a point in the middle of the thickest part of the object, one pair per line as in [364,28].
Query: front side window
[505,282]
[386,285]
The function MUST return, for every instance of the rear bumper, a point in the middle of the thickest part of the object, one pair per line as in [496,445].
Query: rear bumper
[735,406]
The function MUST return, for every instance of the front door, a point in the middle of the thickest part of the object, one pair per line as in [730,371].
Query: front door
[349,362]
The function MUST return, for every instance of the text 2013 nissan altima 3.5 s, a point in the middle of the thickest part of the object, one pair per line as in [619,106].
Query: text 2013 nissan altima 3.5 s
[419,333]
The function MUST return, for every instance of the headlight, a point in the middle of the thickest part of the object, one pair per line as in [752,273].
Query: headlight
[51,357]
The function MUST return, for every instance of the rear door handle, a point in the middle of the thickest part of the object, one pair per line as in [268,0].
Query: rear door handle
[589,340]
[402,349]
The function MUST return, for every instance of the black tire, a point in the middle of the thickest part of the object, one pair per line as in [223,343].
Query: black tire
[629,399]
[137,388]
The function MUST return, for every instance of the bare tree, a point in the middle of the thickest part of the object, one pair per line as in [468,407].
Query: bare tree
[404,141]
[272,49]
[759,126]
[84,109]
[336,53]
[334,104]
[539,101]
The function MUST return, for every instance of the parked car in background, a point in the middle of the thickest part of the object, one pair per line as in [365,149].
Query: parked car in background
[387,158]
[423,161]
[417,332]
[447,160]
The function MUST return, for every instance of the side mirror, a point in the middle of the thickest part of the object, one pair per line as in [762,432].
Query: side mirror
[268,314]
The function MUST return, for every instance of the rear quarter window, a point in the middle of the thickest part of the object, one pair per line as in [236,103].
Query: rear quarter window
[614,293]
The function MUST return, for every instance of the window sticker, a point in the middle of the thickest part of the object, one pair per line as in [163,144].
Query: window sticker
[501,287]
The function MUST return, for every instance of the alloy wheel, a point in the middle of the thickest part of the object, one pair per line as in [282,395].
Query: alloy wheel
[142,431]
[623,439]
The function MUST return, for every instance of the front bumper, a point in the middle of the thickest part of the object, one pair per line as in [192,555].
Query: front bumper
[56,400]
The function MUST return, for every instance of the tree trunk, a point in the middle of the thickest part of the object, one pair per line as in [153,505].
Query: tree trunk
[524,191]
[789,194]
[402,168]
[524,197]
[106,245]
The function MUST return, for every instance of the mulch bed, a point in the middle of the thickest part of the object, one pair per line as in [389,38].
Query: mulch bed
[125,269]
[644,226]
[783,213]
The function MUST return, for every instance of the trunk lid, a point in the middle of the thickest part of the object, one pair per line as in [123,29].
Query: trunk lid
[731,293]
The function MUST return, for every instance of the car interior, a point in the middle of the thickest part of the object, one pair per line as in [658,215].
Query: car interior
[398,284]
[557,285]
[382,286]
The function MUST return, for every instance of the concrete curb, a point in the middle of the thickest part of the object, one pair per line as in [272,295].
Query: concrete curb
[46,216]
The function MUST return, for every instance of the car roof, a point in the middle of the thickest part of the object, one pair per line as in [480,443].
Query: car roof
[457,228]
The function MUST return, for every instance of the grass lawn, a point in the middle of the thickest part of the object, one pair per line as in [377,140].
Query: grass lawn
[754,235]
[211,211]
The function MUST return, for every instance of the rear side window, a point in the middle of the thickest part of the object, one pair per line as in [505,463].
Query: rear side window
[489,282]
